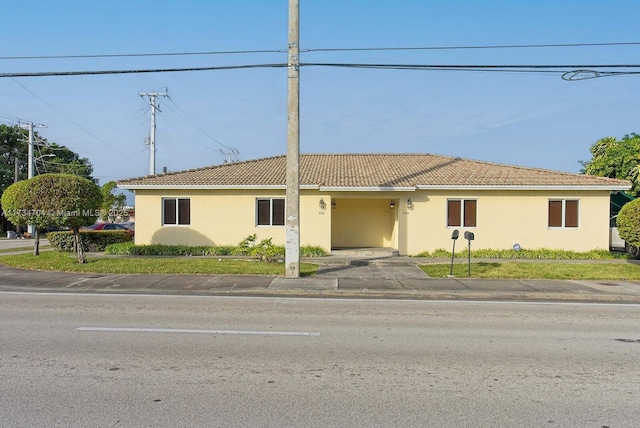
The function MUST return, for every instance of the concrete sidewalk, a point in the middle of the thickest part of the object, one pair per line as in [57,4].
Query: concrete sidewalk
[392,278]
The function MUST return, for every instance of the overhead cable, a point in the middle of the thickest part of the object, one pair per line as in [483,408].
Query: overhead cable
[260,51]
[134,71]
[141,54]
[426,67]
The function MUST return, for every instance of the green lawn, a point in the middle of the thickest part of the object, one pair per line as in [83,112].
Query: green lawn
[528,270]
[25,248]
[66,262]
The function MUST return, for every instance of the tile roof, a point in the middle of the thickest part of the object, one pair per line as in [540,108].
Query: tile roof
[373,171]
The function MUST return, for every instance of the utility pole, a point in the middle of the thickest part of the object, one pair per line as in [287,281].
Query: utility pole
[30,126]
[30,161]
[292,212]
[152,134]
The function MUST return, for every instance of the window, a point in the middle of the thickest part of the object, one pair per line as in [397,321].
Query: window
[176,211]
[270,212]
[563,213]
[461,212]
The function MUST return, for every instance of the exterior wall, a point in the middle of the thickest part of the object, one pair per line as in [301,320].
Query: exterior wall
[364,219]
[223,217]
[505,218]
[358,222]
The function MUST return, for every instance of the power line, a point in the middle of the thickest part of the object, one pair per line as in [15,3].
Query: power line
[469,66]
[392,48]
[12,118]
[439,67]
[133,71]
[141,54]
[74,122]
[425,48]
[182,114]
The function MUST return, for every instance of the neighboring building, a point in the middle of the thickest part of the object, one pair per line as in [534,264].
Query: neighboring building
[409,202]
[618,200]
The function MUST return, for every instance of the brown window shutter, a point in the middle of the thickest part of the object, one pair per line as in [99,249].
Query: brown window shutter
[470,213]
[278,212]
[571,214]
[264,212]
[555,213]
[184,211]
[453,213]
[169,211]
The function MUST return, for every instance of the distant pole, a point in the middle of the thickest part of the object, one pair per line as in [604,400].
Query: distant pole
[30,161]
[292,213]
[152,133]
[30,126]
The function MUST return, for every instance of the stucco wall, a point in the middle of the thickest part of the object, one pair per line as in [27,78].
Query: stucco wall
[223,217]
[505,218]
[359,222]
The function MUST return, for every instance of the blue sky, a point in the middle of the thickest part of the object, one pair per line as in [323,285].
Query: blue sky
[535,120]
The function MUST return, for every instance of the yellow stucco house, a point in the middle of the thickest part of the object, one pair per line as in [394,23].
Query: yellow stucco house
[409,202]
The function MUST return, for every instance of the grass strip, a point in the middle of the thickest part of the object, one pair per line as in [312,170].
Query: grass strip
[65,262]
[29,248]
[527,270]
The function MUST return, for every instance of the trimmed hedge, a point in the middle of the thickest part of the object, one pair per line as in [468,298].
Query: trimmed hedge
[92,240]
[130,249]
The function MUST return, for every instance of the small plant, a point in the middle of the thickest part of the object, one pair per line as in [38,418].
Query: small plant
[265,251]
[537,254]
[246,246]
[312,251]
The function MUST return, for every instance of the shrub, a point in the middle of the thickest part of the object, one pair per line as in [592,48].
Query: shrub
[119,249]
[247,245]
[129,249]
[92,240]
[312,251]
[264,250]
[538,254]
[628,222]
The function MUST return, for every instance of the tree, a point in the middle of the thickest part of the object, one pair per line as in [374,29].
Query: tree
[13,150]
[61,160]
[52,158]
[60,200]
[628,223]
[49,158]
[15,200]
[19,207]
[110,201]
[616,159]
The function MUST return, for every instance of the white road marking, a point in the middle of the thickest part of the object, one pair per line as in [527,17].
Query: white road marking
[183,330]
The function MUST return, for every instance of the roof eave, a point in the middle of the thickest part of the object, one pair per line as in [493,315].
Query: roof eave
[209,187]
[523,187]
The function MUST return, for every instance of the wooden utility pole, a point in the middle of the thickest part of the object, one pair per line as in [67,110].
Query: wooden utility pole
[292,212]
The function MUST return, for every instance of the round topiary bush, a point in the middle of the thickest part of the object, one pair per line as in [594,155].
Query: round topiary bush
[628,223]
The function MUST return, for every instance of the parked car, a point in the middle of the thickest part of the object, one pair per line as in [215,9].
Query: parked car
[129,225]
[616,243]
[108,226]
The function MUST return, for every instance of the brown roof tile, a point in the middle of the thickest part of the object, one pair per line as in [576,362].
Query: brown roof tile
[373,170]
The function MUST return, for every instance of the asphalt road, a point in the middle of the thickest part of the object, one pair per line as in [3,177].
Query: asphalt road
[185,361]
